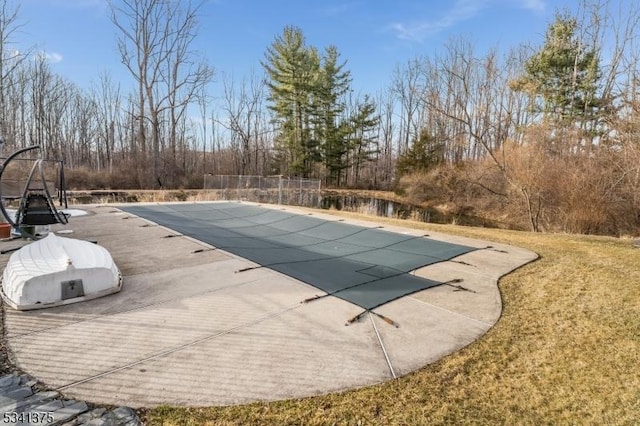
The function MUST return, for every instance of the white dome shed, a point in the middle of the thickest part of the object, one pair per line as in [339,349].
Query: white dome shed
[57,271]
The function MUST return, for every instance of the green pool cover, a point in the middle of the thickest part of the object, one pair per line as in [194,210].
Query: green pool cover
[365,266]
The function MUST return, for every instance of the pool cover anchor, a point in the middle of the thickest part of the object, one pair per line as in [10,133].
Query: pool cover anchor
[357,317]
[458,287]
[202,250]
[316,297]
[249,268]
[461,262]
[382,317]
[492,248]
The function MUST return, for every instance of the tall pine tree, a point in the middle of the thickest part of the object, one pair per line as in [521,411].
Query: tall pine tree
[563,76]
[363,138]
[307,93]
[292,68]
[330,124]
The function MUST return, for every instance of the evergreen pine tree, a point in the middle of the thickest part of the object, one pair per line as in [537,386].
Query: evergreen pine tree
[563,76]
[334,82]
[293,70]
[363,140]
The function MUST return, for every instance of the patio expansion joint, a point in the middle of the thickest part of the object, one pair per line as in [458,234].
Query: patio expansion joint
[468,269]
[458,314]
[179,348]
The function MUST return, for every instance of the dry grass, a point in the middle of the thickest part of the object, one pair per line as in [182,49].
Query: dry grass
[566,351]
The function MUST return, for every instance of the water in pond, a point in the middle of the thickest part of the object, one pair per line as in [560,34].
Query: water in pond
[381,207]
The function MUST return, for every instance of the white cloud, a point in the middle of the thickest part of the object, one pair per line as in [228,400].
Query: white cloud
[461,11]
[419,30]
[534,5]
[51,57]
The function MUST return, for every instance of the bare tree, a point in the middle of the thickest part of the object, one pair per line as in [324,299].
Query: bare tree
[154,44]
[108,103]
[613,32]
[245,122]
[50,96]
[386,133]
[468,106]
[408,87]
[11,59]
[185,74]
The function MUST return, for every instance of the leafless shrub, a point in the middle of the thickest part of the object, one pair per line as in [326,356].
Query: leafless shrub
[541,188]
[83,178]
[571,190]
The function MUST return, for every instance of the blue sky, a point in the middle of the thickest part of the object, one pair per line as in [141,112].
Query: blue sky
[372,35]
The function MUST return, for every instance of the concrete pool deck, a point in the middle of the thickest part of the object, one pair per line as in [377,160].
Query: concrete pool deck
[188,329]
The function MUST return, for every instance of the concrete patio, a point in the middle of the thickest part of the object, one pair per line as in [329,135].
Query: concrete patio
[188,329]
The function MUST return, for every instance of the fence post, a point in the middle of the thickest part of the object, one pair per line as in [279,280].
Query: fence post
[300,193]
[280,189]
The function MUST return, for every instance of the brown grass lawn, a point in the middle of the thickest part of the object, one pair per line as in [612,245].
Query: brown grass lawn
[565,351]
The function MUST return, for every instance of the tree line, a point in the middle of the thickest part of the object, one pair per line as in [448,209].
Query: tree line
[306,123]
[543,136]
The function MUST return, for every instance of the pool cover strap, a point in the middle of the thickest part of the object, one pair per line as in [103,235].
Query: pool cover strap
[365,266]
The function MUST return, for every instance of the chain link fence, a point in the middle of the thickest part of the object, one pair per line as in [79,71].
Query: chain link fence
[266,189]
